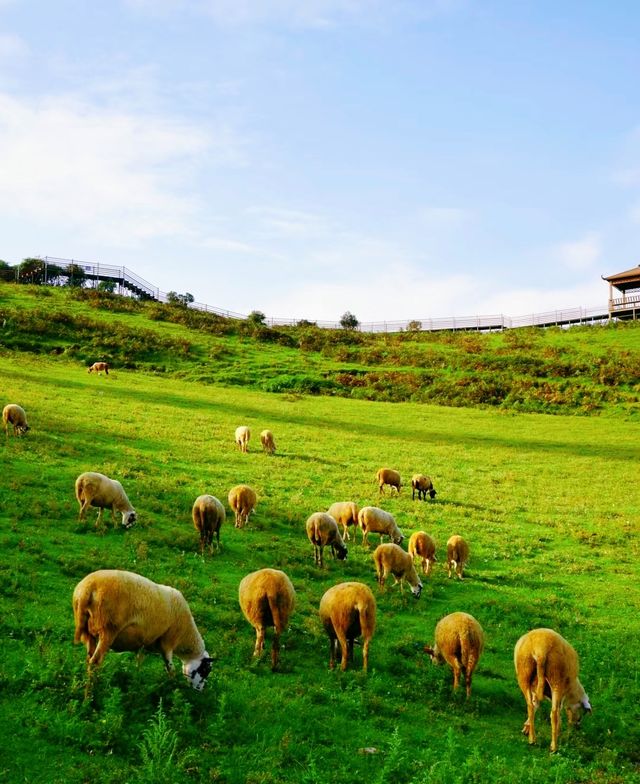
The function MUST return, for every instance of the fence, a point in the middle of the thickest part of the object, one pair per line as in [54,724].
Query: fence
[130,283]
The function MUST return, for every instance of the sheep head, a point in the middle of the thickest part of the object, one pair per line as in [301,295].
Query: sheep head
[128,519]
[198,671]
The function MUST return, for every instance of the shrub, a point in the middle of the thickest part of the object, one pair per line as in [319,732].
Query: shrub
[349,321]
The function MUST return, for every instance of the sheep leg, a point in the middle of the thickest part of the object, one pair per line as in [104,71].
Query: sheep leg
[257,651]
[457,668]
[84,505]
[345,649]
[345,534]
[333,652]
[104,643]
[529,725]
[427,571]
[275,650]
[555,719]
[99,517]
[365,654]
[452,565]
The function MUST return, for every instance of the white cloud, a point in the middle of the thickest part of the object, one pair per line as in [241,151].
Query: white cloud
[442,217]
[579,255]
[287,223]
[115,175]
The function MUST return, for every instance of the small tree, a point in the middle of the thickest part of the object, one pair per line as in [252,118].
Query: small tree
[7,272]
[173,298]
[256,317]
[76,276]
[414,326]
[31,271]
[349,321]
[107,286]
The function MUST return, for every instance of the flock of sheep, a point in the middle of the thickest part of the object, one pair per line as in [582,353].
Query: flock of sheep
[123,611]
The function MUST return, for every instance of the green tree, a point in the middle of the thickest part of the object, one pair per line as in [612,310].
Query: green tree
[76,276]
[349,321]
[7,272]
[256,317]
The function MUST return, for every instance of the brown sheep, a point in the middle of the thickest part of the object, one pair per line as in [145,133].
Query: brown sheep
[547,666]
[243,434]
[423,485]
[267,598]
[268,444]
[347,611]
[242,500]
[423,546]
[387,476]
[457,555]
[99,368]
[14,415]
[372,519]
[345,513]
[459,641]
[123,611]
[392,559]
[208,515]
[322,531]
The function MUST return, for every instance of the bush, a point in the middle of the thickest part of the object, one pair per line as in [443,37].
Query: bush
[349,321]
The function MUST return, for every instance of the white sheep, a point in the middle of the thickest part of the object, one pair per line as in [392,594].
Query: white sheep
[459,641]
[243,434]
[208,515]
[388,476]
[322,531]
[423,485]
[372,519]
[268,444]
[423,546]
[267,598]
[123,611]
[99,368]
[242,500]
[93,489]
[391,559]
[457,555]
[348,611]
[547,666]
[345,513]
[14,415]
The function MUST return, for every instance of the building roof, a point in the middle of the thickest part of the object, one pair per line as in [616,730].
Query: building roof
[629,279]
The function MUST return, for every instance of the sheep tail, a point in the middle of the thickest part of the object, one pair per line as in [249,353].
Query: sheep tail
[279,619]
[81,617]
[540,678]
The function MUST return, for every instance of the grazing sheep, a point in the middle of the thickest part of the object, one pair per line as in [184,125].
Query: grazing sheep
[423,485]
[124,611]
[345,513]
[392,559]
[459,641]
[457,555]
[424,547]
[268,444]
[387,476]
[14,415]
[99,368]
[243,434]
[267,598]
[242,500]
[322,530]
[547,666]
[372,519]
[93,489]
[208,515]
[347,611]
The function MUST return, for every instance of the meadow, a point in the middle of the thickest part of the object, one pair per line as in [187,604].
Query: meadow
[549,505]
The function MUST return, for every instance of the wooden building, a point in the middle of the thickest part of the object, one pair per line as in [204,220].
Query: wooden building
[626,283]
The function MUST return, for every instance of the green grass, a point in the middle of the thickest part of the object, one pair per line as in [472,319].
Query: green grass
[549,505]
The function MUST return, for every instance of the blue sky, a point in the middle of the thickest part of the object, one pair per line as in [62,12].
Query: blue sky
[396,159]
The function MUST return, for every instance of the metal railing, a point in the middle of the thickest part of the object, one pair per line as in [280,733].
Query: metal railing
[129,282]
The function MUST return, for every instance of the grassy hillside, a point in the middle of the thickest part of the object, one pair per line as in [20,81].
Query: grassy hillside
[548,504]
[584,370]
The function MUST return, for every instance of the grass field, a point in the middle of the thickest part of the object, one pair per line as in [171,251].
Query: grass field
[549,505]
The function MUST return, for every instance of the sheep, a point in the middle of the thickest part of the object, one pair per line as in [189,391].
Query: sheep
[99,367]
[208,515]
[242,500]
[459,641]
[547,666]
[267,598]
[345,513]
[423,485]
[347,611]
[268,444]
[93,489]
[124,611]
[387,476]
[14,415]
[322,530]
[243,434]
[457,555]
[392,559]
[423,546]
[372,519]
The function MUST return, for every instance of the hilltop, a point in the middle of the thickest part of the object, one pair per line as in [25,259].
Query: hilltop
[584,370]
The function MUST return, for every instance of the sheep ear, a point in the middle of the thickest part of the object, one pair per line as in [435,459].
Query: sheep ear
[586,704]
